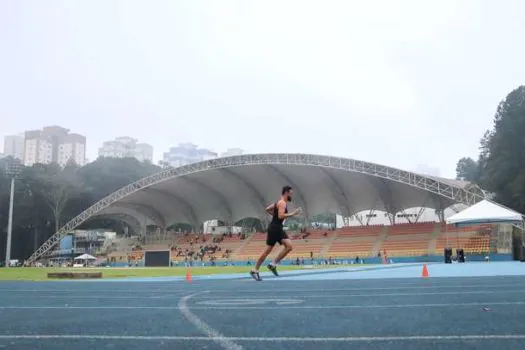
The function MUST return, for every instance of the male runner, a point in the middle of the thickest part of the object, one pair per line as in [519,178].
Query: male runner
[276,234]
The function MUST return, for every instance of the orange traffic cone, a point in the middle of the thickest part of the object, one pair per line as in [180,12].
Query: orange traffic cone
[188,275]
[424,274]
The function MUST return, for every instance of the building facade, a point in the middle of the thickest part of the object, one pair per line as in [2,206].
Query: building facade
[54,144]
[230,152]
[126,147]
[14,146]
[186,153]
[144,152]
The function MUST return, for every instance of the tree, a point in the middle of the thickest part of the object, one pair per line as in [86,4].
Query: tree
[467,170]
[502,160]
[325,218]
[48,196]
[57,187]
[106,175]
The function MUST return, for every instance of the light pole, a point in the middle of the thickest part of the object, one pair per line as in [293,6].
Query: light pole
[13,168]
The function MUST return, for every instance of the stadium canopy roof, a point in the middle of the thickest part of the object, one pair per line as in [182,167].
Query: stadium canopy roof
[233,188]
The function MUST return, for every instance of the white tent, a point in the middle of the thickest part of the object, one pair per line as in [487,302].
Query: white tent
[85,257]
[485,212]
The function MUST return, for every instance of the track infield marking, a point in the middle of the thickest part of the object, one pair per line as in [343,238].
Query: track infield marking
[211,333]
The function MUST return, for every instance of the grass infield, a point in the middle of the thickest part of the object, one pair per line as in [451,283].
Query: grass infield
[40,274]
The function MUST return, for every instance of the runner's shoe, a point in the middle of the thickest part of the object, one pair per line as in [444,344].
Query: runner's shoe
[273,269]
[255,276]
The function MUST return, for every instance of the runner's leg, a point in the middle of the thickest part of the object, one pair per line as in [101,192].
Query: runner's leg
[255,272]
[287,243]
[263,256]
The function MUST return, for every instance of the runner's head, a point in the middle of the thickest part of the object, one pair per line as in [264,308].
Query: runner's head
[287,193]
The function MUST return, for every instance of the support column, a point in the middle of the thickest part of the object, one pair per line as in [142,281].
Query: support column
[441,215]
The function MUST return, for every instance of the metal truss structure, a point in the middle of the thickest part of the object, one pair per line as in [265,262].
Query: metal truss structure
[447,189]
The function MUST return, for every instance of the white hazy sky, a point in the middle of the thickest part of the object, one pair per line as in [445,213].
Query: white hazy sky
[412,84]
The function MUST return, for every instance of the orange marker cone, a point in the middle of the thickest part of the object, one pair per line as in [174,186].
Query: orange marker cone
[188,275]
[424,274]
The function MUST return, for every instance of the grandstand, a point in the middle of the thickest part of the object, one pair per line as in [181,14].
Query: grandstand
[233,188]
[414,241]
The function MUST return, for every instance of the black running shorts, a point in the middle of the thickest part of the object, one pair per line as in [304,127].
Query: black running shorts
[275,235]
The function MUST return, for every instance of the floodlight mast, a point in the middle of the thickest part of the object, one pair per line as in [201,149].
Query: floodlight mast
[12,170]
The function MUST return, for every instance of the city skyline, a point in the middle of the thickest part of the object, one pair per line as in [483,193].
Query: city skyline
[53,144]
[139,150]
[126,147]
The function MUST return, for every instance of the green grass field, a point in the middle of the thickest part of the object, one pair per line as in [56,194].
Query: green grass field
[40,274]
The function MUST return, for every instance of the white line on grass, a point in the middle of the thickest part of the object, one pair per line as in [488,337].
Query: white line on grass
[204,327]
[280,307]
[222,339]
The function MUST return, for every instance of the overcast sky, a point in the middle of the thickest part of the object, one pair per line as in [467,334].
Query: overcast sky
[412,84]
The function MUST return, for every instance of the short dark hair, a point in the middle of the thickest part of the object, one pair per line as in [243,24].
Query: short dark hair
[286,189]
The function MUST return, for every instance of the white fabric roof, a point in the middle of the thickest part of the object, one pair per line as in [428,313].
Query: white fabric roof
[485,212]
[85,257]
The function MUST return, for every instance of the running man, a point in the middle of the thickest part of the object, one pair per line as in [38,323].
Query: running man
[276,234]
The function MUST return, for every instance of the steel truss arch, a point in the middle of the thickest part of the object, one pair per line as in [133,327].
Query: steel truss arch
[442,188]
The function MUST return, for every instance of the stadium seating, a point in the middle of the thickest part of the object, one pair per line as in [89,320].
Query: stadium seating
[351,242]
[407,240]
[400,240]
[473,239]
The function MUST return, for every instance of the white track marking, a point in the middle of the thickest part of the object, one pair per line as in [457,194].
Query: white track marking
[229,291]
[281,307]
[329,296]
[249,302]
[325,296]
[222,339]
[204,327]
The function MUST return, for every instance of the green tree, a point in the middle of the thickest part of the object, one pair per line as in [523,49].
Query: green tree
[47,196]
[325,218]
[106,175]
[467,170]
[502,160]
[58,187]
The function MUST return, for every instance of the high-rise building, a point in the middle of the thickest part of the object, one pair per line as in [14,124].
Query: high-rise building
[54,144]
[144,152]
[126,147]
[230,152]
[14,146]
[186,153]
[72,148]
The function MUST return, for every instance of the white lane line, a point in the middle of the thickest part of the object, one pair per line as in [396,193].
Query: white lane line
[391,306]
[269,339]
[328,296]
[204,327]
[257,290]
[280,307]
[324,296]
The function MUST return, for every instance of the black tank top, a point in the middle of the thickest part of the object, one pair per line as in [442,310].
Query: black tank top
[275,217]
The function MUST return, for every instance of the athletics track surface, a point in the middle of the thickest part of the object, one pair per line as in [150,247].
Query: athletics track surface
[481,307]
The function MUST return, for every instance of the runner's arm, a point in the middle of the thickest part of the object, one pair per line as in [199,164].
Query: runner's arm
[269,209]
[281,211]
